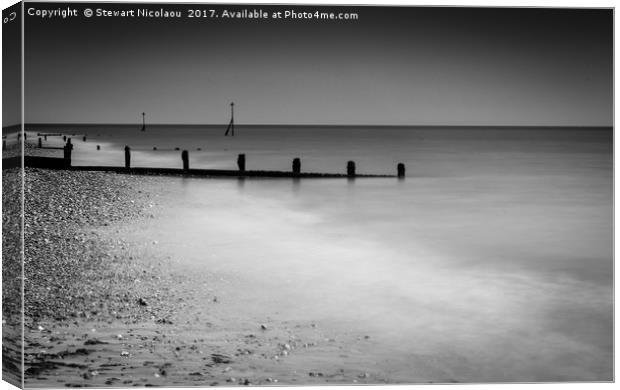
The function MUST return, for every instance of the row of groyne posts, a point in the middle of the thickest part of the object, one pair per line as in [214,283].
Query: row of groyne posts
[241,161]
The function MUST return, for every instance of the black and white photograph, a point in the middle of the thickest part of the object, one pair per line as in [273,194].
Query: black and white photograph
[209,194]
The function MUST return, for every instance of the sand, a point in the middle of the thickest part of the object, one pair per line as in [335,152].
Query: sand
[101,311]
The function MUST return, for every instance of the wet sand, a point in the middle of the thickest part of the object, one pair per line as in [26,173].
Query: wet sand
[102,311]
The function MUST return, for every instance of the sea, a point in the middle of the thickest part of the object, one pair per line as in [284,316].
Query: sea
[492,259]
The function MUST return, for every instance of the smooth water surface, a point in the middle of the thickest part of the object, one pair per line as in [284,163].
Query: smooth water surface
[492,259]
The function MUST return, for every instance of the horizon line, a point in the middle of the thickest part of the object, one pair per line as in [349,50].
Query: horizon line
[298,125]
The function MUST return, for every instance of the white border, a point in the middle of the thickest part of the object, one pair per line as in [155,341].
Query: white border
[476,3]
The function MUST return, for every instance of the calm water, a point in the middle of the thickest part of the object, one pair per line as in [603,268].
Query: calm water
[493,259]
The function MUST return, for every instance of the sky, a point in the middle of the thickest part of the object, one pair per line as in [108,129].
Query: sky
[391,66]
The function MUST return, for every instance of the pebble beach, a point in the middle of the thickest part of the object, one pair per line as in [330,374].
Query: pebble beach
[101,311]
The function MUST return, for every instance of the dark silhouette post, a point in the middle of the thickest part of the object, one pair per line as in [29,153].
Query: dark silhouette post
[84,139]
[296,166]
[400,168]
[241,162]
[143,122]
[64,138]
[351,169]
[67,151]
[127,157]
[231,126]
[40,145]
[45,137]
[3,144]
[98,147]
[185,158]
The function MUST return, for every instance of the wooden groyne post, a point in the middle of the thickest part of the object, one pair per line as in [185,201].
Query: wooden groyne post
[296,166]
[40,144]
[67,152]
[400,170]
[84,139]
[127,157]
[241,162]
[185,158]
[351,169]
[3,144]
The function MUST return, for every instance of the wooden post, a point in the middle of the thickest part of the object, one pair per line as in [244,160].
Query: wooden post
[351,169]
[45,137]
[3,144]
[185,158]
[127,157]
[296,166]
[84,139]
[64,138]
[67,149]
[241,162]
[98,147]
[400,168]
[40,145]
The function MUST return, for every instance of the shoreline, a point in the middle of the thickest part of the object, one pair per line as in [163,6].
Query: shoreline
[233,294]
[118,313]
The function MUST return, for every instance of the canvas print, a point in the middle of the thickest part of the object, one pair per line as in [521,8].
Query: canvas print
[254,194]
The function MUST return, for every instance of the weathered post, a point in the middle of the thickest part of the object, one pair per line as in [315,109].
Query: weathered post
[84,139]
[127,157]
[40,145]
[98,147]
[67,149]
[296,166]
[241,162]
[351,169]
[3,144]
[400,168]
[64,138]
[185,158]
[25,136]
[45,137]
